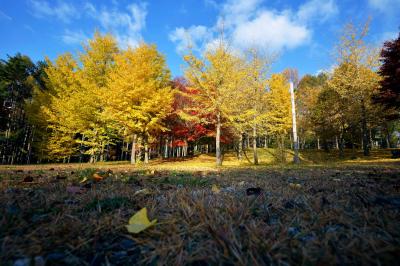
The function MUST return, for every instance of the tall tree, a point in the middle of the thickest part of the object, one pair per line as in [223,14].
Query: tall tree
[96,60]
[307,94]
[215,76]
[389,92]
[61,106]
[15,87]
[279,110]
[139,95]
[355,78]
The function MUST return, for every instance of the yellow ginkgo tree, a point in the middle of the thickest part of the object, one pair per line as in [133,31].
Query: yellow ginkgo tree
[139,96]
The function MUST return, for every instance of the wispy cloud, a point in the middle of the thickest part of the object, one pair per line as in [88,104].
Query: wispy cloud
[317,10]
[74,37]
[4,16]
[384,6]
[126,24]
[60,10]
[190,37]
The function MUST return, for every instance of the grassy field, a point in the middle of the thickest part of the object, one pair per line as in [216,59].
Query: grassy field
[323,211]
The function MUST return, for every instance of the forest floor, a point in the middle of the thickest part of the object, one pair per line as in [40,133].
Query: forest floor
[323,211]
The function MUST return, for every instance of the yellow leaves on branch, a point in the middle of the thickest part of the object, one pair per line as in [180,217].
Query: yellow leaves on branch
[139,96]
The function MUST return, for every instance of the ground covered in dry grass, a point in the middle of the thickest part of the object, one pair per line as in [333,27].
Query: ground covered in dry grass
[263,215]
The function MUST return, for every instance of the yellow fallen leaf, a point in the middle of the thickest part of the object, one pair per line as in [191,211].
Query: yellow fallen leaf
[139,222]
[84,180]
[215,189]
[296,186]
[144,191]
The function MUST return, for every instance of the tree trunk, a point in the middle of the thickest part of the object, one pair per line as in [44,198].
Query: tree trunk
[166,148]
[337,142]
[295,140]
[255,155]
[218,141]
[364,129]
[240,147]
[146,151]
[341,146]
[133,151]
[318,145]
[387,136]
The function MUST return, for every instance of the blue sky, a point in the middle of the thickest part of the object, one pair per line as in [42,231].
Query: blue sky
[303,33]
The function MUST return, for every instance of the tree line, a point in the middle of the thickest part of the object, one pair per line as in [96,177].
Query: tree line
[107,103]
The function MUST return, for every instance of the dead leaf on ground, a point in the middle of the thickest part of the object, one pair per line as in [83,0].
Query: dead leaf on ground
[139,222]
[144,191]
[215,189]
[28,179]
[295,185]
[97,177]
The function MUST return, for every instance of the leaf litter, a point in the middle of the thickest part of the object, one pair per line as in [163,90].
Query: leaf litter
[263,220]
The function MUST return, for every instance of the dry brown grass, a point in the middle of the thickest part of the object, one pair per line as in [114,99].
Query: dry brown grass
[340,215]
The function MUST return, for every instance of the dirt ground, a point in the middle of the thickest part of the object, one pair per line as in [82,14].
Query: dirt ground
[311,215]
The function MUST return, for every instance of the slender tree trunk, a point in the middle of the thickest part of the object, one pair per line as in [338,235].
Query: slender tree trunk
[240,147]
[146,150]
[387,136]
[218,141]
[371,141]
[166,148]
[255,155]
[337,142]
[133,151]
[295,140]
[341,146]
[318,145]
[364,129]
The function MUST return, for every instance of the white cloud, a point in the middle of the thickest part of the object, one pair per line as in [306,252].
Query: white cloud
[74,37]
[317,10]
[246,23]
[61,10]
[190,37]
[384,6]
[269,30]
[125,25]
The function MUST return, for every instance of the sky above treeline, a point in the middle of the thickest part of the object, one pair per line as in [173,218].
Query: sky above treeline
[302,33]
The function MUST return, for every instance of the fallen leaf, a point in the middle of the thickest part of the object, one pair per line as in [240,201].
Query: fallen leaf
[144,191]
[215,189]
[139,222]
[97,177]
[84,180]
[294,185]
[28,179]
